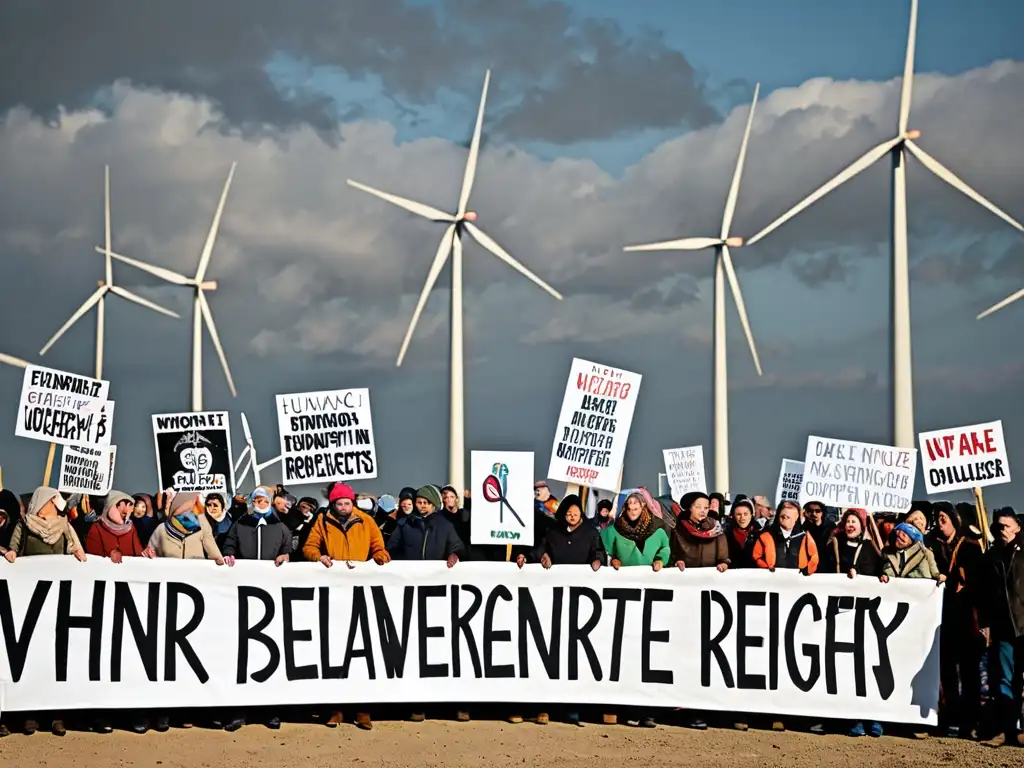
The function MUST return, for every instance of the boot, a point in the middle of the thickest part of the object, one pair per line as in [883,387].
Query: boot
[999,740]
[363,721]
[462,716]
[335,719]
[610,719]
[515,719]
[418,717]
[542,719]
[57,726]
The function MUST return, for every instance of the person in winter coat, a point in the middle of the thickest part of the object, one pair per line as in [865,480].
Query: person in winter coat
[1001,616]
[908,558]
[143,517]
[300,521]
[10,514]
[959,556]
[344,533]
[850,550]
[741,534]
[785,544]
[185,534]
[43,531]
[542,497]
[424,535]
[218,517]
[114,535]
[457,513]
[698,541]
[82,511]
[636,538]
[571,542]
[815,524]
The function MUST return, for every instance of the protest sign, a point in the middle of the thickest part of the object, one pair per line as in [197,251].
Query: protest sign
[163,633]
[791,477]
[593,426]
[193,452]
[502,487]
[845,473]
[685,470]
[64,408]
[326,436]
[964,457]
[87,470]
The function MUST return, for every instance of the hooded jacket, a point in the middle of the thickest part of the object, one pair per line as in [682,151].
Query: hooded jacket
[356,538]
[102,540]
[580,546]
[195,546]
[914,562]
[797,551]
[60,539]
[425,538]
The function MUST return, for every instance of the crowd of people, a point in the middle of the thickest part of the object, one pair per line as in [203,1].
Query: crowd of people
[982,635]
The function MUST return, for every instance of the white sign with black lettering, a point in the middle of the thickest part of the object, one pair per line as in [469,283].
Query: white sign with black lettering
[64,408]
[87,470]
[845,473]
[685,470]
[326,436]
[964,457]
[791,477]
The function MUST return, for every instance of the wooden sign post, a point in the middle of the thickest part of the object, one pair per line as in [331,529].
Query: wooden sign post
[49,465]
[979,504]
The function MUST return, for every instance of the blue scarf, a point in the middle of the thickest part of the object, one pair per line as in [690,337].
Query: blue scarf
[183,525]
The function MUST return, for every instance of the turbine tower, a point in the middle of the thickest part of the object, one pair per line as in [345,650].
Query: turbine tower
[451,243]
[105,287]
[897,149]
[723,270]
[201,311]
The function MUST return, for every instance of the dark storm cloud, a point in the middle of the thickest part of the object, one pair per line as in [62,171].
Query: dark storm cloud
[582,78]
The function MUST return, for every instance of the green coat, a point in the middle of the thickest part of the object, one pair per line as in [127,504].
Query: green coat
[620,548]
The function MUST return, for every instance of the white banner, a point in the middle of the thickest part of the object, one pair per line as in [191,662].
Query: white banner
[964,457]
[845,473]
[64,408]
[685,470]
[326,436]
[173,633]
[87,470]
[502,486]
[593,425]
[791,477]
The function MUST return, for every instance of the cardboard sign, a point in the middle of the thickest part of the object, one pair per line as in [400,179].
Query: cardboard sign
[502,487]
[64,408]
[193,452]
[964,457]
[593,426]
[845,473]
[791,477]
[685,470]
[326,436]
[87,470]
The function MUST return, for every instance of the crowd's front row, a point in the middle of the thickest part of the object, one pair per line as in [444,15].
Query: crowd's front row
[983,606]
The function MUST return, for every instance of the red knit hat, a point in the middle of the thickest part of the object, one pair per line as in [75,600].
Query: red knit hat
[862,515]
[341,491]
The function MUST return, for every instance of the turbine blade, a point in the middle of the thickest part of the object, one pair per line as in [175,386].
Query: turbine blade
[15,361]
[685,244]
[211,237]
[241,458]
[141,301]
[474,150]
[204,306]
[907,87]
[245,430]
[734,190]
[959,184]
[264,464]
[412,206]
[109,270]
[741,307]
[240,478]
[163,274]
[865,161]
[443,249]
[487,242]
[91,302]
[1004,303]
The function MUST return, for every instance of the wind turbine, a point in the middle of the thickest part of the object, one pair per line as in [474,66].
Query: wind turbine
[1004,303]
[201,311]
[250,452]
[896,148]
[459,222]
[723,270]
[105,287]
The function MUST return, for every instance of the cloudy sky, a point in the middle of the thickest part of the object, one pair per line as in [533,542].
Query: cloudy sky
[609,123]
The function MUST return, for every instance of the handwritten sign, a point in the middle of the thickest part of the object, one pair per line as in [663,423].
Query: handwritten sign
[193,452]
[593,426]
[791,476]
[64,408]
[964,457]
[87,470]
[326,436]
[845,473]
[685,470]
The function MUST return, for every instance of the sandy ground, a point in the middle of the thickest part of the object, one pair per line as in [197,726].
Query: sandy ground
[496,745]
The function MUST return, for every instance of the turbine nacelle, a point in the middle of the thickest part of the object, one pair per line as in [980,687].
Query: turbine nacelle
[209,285]
[734,242]
[469,216]
[912,135]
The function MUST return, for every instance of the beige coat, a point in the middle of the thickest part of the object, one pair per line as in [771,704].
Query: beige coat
[198,546]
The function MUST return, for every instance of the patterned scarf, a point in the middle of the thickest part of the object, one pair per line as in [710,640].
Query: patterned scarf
[709,528]
[639,531]
[182,525]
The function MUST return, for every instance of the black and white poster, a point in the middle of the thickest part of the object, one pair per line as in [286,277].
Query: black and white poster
[64,408]
[193,452]
[87,470]
[326,436]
